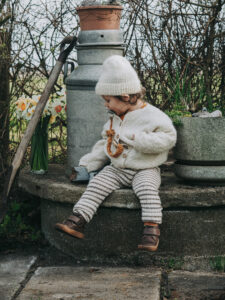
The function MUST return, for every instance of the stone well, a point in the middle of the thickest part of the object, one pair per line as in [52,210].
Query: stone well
[192,229]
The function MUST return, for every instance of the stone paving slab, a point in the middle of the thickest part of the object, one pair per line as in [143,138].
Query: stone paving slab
[196,286]
[87,283]
[13,270]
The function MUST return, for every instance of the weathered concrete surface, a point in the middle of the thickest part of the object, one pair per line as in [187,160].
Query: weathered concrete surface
[196,286]
[191,217]
[201,139]
[56,187]
[200,173]
[113,234]
[200,148]
[70,283]
[199,263]
[13,270]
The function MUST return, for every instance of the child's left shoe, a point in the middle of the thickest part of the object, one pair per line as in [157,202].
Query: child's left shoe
[73,225]
[150,238]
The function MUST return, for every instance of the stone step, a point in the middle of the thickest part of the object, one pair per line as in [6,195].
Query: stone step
[93,283]
[26,277]
[13,272]
[192,233]
[195,286]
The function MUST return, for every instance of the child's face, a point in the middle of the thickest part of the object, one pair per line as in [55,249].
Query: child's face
[117,106]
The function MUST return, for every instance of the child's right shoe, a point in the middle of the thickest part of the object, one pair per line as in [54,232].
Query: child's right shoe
[150,238]
[73,225]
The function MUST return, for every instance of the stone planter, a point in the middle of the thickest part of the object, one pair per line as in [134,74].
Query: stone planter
[99,17]
[200,150]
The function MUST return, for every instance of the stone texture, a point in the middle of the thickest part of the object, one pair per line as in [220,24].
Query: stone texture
[200,173]
[196,286]
[13,270]
[191,217]
[70,283]
[201,139]
[200,263]
[113,234]
[200,151]
[56,187]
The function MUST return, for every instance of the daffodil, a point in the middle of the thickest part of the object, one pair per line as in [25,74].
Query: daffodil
[25,106]
[52,119]
[36,98]
[25,109]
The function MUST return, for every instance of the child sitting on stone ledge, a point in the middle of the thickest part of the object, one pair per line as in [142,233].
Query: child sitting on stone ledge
[135,141]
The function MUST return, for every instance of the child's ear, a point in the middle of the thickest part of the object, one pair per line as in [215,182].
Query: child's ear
[125,97]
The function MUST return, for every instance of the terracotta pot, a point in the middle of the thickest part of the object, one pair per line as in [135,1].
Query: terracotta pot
[99,17]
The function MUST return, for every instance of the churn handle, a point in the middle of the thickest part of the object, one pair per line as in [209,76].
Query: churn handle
[66,65]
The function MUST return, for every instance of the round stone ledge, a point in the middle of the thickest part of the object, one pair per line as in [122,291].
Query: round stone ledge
[200,173]
[54,186]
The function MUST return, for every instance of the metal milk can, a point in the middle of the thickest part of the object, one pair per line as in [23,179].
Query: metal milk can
[86,113]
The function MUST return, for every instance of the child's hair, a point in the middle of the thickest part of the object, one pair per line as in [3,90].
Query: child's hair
[134,97]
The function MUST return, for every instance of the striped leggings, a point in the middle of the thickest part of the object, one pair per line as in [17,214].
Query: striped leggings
[145,184]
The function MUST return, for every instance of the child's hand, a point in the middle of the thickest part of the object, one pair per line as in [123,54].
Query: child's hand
[128,139]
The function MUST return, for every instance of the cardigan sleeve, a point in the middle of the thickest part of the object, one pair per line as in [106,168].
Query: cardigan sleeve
[97,158]
[161,139]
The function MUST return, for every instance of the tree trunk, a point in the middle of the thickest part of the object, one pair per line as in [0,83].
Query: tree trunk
[4,100]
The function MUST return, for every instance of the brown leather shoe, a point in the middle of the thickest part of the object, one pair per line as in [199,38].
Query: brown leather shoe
[74,225]
[150,238]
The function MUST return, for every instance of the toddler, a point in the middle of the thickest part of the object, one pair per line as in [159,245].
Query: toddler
[135,142]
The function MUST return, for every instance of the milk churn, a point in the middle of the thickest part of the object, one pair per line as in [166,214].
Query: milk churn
[86,113]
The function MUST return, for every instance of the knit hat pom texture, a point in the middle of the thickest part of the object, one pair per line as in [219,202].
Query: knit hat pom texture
[118,77]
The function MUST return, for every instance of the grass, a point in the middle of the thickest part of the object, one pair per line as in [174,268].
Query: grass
[218,263]
[182,88]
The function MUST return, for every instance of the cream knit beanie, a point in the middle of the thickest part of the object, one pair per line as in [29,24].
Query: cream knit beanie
[118,77]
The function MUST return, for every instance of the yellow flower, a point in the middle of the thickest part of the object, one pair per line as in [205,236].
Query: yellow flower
[36,98]
[52,119]
[33,102]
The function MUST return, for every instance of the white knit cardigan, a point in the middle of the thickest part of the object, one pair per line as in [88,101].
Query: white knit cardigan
[154,134]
